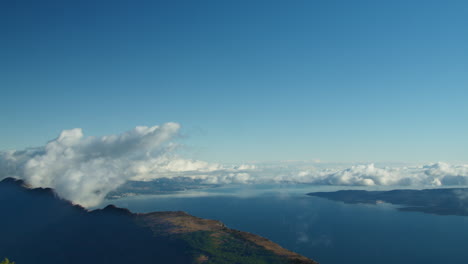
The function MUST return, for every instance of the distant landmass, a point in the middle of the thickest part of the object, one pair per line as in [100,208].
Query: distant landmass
[451,201]
[158,186]
[38,227]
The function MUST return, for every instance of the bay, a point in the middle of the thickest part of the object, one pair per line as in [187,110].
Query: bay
[327,231]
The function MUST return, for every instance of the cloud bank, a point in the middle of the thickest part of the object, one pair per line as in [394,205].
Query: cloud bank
[436,174]
[85,169]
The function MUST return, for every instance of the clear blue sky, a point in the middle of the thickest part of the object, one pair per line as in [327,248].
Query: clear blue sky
[247,79]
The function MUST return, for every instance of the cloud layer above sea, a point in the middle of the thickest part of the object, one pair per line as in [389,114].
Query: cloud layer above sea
[85,169]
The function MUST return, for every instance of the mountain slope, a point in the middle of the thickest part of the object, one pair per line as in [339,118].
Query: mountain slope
[39,227]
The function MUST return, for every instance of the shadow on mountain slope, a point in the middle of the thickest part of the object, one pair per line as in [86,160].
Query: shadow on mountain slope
[37,227]
[40,228]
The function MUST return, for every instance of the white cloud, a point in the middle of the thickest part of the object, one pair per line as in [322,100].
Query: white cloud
[436,174]
[84,169]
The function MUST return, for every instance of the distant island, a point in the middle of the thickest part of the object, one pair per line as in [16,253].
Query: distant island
[158,186]
[39,227]
[451,201]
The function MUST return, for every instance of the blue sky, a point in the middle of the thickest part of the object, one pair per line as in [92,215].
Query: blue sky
[249,80]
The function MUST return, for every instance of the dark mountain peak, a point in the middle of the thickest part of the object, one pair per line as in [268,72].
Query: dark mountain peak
[13,181]
[112,209]
[17,189]
[23,186]
[43,191]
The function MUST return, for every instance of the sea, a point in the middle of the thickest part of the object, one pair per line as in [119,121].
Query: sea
[327,231]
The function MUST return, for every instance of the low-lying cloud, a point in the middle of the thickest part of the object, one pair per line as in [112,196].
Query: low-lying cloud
[436,174]
[85,169]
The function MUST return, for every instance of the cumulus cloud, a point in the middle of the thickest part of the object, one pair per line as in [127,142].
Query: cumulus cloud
[171,166]
[85,169]
[436,174]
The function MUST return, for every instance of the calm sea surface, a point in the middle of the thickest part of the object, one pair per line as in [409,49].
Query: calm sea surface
[329,232]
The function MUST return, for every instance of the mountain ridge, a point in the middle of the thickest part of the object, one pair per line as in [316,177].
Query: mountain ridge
[53,230]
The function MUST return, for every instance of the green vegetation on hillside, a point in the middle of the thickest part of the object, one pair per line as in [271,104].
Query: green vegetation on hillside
[226,249]
[7,261]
